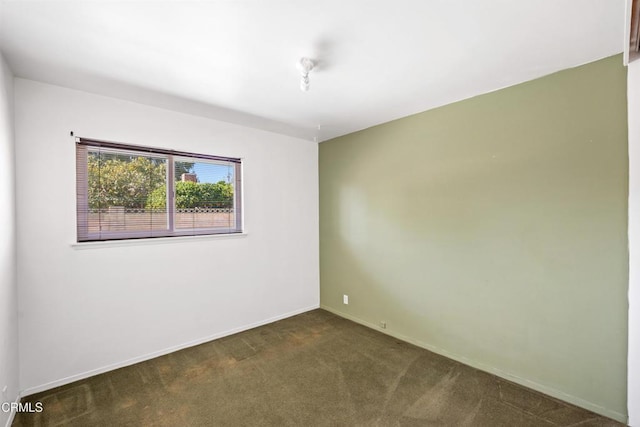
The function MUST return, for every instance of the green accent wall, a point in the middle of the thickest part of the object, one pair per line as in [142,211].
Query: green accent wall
[494,231]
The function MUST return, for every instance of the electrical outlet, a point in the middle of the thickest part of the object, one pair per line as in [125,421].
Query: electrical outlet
[345,299]
[383,324]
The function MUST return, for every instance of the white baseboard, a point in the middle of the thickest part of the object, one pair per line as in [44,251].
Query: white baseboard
[490,369]
[57,383]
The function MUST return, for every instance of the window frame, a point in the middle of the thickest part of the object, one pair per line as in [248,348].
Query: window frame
[84,146]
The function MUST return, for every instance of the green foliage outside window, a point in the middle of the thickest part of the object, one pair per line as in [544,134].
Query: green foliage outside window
[194,195]
[117,180]
[138,182]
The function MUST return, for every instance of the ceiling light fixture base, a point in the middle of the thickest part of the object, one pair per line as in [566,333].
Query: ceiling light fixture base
[305,65]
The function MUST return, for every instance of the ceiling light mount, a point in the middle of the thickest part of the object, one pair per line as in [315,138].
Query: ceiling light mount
[305,65]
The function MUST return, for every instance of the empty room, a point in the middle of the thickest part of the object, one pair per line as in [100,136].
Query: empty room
[336,213]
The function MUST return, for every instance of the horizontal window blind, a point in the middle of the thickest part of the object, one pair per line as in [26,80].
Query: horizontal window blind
[130,192]
[127,147]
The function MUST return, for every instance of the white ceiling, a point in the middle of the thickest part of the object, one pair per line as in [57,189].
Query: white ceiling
[378,60]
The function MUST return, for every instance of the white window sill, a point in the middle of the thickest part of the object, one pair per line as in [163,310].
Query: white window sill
[153,241]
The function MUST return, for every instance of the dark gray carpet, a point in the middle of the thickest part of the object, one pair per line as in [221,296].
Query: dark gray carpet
[315,369]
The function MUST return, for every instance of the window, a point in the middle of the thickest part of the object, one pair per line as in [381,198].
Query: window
[130,192]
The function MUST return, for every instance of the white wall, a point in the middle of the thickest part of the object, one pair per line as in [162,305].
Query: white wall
[8,289]
[633,383]
[83,311]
